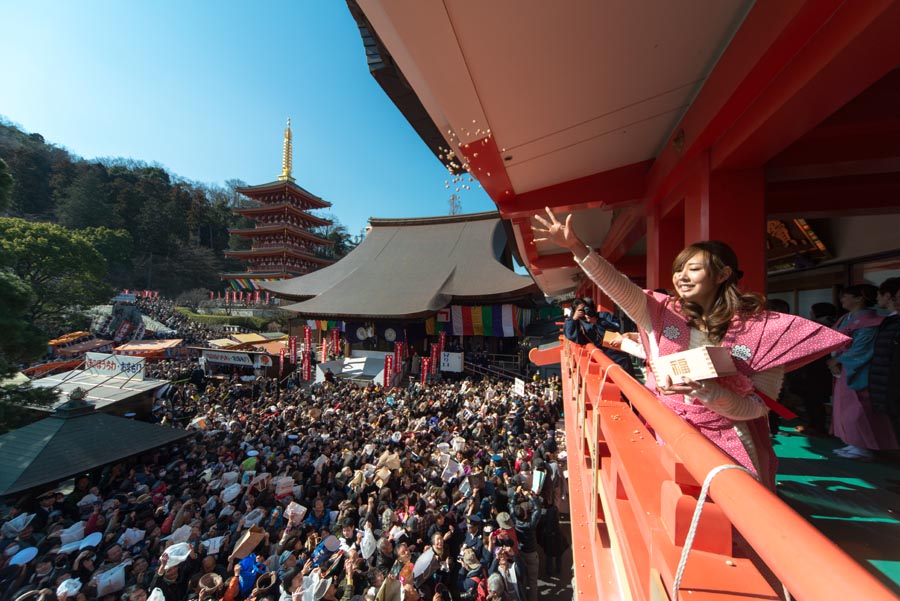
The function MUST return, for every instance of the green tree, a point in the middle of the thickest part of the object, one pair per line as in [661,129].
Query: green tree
[117,247]
[86,202]
[21,343]
[6,184]
[337,233]
[30,167]
[61,267]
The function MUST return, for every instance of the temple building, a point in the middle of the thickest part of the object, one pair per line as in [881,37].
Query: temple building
[284,241]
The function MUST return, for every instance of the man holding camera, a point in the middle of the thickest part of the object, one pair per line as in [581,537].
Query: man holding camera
[585,324]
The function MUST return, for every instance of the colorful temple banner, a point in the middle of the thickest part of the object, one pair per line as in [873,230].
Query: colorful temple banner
[242,284]
[322,324]
[502,321]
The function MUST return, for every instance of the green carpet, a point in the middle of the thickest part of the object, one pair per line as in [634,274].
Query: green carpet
[855,504]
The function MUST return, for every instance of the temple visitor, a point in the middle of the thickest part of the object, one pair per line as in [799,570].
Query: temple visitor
[709,309]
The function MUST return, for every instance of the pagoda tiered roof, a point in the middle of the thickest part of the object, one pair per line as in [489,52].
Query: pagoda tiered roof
[258,253]
[269,209]
[280,190]
[275,228]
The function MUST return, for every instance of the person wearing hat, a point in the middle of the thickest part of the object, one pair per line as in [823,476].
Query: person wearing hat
[46,506]
[504,535]
[474,527]
[472,575]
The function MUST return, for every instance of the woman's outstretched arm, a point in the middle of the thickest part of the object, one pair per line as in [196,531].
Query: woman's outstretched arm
[616,285]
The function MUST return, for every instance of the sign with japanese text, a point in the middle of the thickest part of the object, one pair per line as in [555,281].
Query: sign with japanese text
[227,357]
[452,362]
[123,366]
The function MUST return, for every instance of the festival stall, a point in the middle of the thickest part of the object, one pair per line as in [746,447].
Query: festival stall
[154,350]
[77,349]
[247,364]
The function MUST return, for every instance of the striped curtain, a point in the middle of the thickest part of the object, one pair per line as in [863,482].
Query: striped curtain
[484,320]
[325,325]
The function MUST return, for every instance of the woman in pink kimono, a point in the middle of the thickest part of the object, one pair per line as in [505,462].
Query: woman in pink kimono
[710,310]
[853,419]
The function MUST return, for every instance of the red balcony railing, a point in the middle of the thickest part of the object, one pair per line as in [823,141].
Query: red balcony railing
[632,500]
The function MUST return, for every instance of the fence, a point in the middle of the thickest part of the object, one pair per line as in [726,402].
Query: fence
[632,502]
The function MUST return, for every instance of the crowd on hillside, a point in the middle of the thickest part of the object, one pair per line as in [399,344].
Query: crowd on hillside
[163,311]
[334,492]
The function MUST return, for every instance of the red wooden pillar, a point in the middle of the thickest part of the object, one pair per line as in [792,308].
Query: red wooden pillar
[737,215]
[665,239]
[730,206]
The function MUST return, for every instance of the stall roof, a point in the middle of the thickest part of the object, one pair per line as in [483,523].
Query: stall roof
[101,390]
[245,338]
[76,438]
[273,335]
[222,343]
[272,348]
[407,268]
[142,347]
[84,347]
[70,337]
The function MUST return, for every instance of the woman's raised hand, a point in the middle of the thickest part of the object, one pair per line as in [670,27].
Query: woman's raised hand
[560,234]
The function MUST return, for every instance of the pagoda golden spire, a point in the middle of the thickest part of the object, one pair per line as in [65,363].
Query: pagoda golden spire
[287,155]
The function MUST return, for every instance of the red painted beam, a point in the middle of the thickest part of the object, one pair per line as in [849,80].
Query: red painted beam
[768,39]
[634,266]
[554,261]
[867,128]
[614,187]
[853,50]
[626,230]
[549,356]
[523,225]
[836,196]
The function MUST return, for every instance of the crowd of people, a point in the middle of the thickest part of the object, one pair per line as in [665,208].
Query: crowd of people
[163,311]
[336,491]
[445,491]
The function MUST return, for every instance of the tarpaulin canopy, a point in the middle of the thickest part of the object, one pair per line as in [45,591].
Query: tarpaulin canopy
[409,268]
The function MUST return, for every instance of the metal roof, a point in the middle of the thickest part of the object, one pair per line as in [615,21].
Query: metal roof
[76,438]
[408,268]
[101,390]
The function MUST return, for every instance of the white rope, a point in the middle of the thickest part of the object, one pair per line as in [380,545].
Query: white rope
[689,540]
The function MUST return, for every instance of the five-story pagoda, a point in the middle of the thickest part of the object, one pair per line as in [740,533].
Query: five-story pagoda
[284,244]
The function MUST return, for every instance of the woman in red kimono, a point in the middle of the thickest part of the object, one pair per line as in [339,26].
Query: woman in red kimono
[710,310]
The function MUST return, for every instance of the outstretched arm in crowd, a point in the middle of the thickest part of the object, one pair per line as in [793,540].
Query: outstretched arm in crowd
[234,585]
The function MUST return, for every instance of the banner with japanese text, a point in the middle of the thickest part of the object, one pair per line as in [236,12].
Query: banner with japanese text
[426,366]
[388,370]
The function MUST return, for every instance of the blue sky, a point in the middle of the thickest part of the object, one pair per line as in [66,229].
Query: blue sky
[204,88]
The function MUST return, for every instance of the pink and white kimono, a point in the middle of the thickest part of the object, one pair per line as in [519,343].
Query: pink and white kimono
[766,341]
